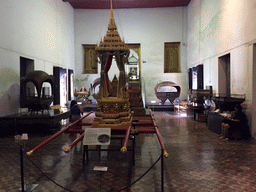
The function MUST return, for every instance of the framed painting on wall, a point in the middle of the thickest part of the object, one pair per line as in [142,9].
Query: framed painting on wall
[90,61]
[172,57]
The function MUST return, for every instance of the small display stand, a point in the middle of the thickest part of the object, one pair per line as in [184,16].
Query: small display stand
[95,136]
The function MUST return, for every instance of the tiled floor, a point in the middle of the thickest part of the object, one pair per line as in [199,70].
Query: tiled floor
[198,161]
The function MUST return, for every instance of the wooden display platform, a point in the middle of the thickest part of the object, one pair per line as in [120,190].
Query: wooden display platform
[50,117]
[161,107]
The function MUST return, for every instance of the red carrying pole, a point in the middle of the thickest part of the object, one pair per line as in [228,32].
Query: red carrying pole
[85,124]
[74,131]
[68,148]
[161,141]
[142,123]
[126,137]
[57,134]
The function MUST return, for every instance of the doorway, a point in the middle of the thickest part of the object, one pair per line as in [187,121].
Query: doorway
[224,75]
[70,85]
[26,66]
[60,86]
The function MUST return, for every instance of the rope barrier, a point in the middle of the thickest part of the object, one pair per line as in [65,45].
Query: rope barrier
[73,191]
[45,174]
[164,153]
[141,175]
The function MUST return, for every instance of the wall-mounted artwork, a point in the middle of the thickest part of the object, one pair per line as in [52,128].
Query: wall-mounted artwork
[90,61]
[63,87]
[194,77]
[172,57]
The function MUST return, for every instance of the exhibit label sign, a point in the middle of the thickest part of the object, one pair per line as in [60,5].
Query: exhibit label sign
[97,136]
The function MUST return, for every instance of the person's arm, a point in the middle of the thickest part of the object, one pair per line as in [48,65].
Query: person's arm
[235,120]
[80,109]
[239,117]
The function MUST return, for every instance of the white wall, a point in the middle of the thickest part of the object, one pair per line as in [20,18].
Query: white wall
[149,27]
[253,85]
[41,30]
[216,28]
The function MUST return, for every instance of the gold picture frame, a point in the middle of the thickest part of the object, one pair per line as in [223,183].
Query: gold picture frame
[172,57]
[90,61]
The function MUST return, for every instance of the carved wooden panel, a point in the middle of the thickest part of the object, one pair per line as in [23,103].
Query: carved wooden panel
[172,58]
[90,62]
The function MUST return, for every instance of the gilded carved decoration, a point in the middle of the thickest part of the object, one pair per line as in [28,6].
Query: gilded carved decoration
[172,58]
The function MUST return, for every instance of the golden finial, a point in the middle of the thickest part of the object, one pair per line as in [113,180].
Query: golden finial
[166,154]
[67,149]
[30,152]
[123,150]
[112,24]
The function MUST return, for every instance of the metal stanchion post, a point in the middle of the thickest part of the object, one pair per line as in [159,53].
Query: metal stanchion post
[99,151]
[133,149]
[21,168]
[162,171]
[83,155]
[85,152]
[24,187]
[133,140]
[15,126]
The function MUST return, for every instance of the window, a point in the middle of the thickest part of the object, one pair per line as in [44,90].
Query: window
[172,57]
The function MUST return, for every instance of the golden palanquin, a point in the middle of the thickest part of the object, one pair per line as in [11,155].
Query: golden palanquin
[113,106]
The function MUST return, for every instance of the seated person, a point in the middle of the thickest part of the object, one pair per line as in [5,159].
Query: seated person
[76,112]
[236,122]
[209,104]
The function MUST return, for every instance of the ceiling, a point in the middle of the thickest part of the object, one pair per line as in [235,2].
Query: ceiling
[124,4]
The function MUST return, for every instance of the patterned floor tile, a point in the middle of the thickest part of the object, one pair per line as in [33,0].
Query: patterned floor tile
[198,161]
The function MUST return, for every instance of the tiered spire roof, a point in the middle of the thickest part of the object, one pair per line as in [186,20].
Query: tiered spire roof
[112,40]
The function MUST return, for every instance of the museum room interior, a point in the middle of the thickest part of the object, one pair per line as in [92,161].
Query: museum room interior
[155,81]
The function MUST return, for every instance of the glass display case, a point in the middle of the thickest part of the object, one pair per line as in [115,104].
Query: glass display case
[133,68]
[226,102]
